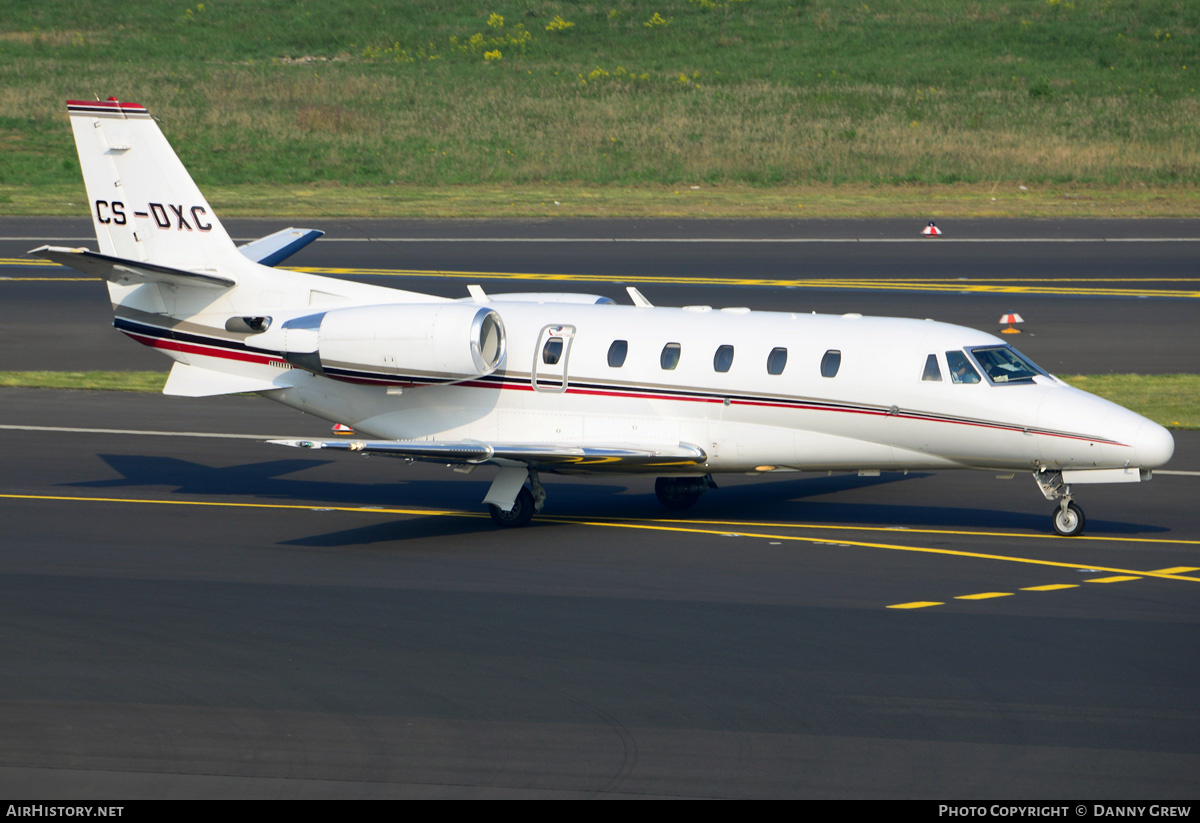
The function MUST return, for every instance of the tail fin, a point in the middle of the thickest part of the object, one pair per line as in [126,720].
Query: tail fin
[145,205]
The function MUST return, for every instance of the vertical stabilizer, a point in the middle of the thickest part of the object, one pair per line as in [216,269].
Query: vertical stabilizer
[145,205]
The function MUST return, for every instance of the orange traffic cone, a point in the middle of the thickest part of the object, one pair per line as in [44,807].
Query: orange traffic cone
[1010,319]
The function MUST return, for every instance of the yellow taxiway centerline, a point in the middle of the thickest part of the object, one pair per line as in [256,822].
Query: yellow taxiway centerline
[907,530]
[225,504]
[888,546]
[1002,285]
[49,279]
[642,526]
[955,285]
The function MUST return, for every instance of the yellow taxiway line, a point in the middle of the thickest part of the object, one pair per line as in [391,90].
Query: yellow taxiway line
[1001,285]
[1052,587]
[1168,574]
[952,285]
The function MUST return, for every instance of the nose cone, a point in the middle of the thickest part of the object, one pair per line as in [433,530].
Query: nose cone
[1153,446]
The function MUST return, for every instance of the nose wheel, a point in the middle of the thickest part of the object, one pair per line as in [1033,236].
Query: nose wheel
[1068,519]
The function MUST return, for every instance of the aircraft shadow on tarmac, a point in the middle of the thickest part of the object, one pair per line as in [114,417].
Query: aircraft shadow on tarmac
[790,501]
[775,500]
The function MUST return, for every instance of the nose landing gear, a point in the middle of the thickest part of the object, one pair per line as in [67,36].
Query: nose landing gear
[1068,519]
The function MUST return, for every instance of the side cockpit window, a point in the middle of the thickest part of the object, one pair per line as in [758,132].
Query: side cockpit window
[932,373]
[961,370]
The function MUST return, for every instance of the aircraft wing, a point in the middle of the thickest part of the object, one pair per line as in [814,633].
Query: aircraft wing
[553,456]
[130,272]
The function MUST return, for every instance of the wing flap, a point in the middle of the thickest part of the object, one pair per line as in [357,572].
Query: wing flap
[596,457]
[130,272]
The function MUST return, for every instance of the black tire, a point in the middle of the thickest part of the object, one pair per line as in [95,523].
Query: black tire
[1068,522]
[522,511]
[677,492]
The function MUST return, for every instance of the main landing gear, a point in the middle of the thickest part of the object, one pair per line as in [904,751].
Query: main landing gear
[1068,518]
[682,492]
[518,515]
[672,492]
[528,501]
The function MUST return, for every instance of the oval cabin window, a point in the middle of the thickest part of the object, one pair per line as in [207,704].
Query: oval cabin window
[552,351]
[617,352]
[723,359]
[830,363]
[669,358]
[776,361]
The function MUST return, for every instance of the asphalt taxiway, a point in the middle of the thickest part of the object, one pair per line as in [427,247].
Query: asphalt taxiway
[1097,296]
[190,612]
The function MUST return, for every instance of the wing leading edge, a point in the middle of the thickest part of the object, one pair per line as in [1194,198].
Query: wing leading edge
[551,456]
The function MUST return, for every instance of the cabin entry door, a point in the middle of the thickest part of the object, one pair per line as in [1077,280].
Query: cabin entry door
[550,358]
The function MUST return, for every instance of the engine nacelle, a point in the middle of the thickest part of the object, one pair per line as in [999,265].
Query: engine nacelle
[417,343]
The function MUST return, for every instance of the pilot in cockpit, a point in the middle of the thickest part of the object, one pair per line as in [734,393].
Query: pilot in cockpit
[961,371]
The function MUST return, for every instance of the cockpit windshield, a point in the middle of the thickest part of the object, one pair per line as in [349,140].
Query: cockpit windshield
[1004,364]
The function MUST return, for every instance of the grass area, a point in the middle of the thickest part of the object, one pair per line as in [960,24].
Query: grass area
[918,201]
[377,108]
[142,381]
[1172,400]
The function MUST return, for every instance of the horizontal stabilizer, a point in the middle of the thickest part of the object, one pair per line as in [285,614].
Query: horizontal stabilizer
[561,457]
[275,248]
[194,381]
[130,272]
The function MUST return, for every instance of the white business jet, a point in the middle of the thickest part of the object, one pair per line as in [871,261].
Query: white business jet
[572,383]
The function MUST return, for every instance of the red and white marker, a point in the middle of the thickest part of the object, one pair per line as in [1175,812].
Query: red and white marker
[931,231]
[1010,319]
[341,428]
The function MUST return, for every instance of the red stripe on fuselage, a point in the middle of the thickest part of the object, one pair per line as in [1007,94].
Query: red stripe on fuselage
[193,348]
